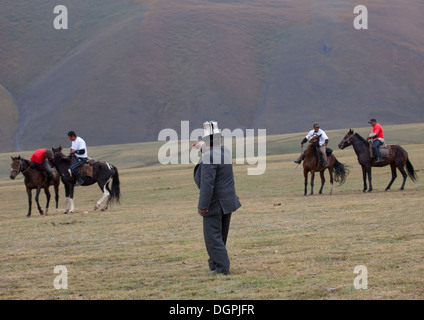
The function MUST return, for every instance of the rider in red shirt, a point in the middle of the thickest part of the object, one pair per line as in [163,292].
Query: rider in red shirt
[43,159]
[377,137]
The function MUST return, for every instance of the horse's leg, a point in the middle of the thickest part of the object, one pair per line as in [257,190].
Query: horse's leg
[66,198]
[369,178]
[394,175]
[331,173]
[404,174]
[48,196]
[37,196]
[321,173]
[71,198]
[312,181]
[109,196]
[106,194]
[56,198]
[29,193]
[305,173]
[364,177]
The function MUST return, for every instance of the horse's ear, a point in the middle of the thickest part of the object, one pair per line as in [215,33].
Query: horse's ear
[60,148]
[350,131]
[19,158]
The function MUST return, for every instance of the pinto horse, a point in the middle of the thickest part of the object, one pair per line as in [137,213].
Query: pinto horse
[312,164]
[103,174]
[398,159]
[34,179]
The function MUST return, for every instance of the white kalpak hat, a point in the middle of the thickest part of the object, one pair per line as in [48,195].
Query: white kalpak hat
[210,128]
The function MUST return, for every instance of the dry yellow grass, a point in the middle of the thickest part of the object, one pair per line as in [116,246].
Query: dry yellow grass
[282,245]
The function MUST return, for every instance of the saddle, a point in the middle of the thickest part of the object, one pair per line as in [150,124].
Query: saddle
[385,151]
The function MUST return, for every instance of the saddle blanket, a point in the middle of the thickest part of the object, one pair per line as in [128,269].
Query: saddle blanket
[385,151]
[87,169]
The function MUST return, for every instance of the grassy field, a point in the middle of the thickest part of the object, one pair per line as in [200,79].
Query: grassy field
[282,245]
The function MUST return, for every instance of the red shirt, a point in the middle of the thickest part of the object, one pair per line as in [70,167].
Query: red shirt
[38,156]
[377,129]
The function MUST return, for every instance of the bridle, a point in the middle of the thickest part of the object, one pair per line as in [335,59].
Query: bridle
[20,168]
[347,140]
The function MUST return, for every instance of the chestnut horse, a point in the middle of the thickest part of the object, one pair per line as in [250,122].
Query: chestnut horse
[398,159]
[312,163]
[34,179]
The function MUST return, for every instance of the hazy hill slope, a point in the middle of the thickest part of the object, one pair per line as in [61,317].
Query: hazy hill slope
[8,120]
[127,69]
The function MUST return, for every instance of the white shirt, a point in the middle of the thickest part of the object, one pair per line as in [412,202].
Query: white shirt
[79,144]
[320,132]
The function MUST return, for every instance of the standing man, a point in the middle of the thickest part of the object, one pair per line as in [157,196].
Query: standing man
[323,142]
[79,149]
[214,177]
[43,159]
[377,137]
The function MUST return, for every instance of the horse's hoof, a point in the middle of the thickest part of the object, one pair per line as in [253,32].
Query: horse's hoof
[28,215]
[96,207]
[65,212]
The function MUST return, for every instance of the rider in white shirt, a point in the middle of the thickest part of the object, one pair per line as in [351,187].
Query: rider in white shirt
[79,149]
[323,142]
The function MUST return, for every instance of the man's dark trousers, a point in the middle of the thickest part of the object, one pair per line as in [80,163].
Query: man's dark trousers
[215,231]
[376,144]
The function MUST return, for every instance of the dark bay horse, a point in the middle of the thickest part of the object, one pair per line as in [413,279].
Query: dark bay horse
[103,173]
[312,164]
[34,179]
[398,159]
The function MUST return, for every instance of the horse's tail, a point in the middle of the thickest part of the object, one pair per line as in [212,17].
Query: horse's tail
[115,193]
[340,171]
[411,172]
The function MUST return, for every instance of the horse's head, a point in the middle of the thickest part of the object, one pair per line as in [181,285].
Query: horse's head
[15,167]
[346,140]
[58,155]
[314,140]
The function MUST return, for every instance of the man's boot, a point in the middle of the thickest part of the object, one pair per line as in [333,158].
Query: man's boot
[299,160]
[79,180]
[50,178]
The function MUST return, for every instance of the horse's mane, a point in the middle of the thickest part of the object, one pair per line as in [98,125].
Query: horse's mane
[362,139]
[60,156]
[28,162]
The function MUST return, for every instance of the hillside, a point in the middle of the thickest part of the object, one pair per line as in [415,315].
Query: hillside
[127,69]
[8,120]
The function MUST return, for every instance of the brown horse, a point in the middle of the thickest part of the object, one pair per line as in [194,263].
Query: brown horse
[312,163]
[34,179]
[398,159]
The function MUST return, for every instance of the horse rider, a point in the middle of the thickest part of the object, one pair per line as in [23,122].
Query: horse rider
[43,160]
[377,137]
[79,150]
[323,142]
